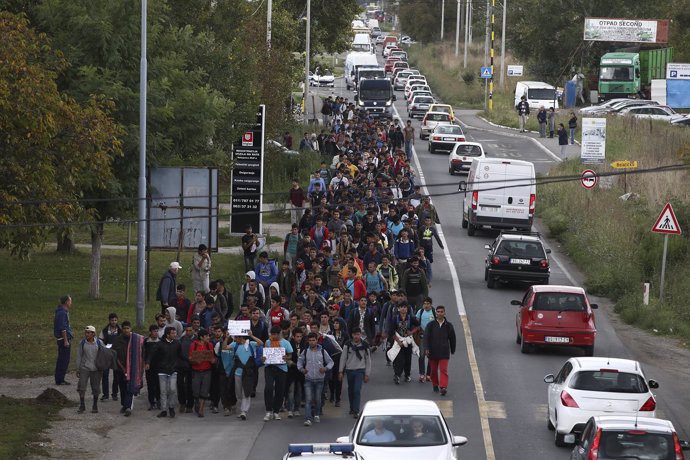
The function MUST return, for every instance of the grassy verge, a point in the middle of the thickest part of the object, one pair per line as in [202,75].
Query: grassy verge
[610,239]
[28,318]
[281,169]
[21,424]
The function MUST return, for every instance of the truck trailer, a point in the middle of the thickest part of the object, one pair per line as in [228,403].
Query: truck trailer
[630,74]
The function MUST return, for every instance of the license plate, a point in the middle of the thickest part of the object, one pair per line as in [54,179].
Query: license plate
[489,209]
[557,339]
[520,261]
[448,138]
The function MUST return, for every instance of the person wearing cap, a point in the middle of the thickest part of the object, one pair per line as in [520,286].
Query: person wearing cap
[86,368]
[201,269]
[167,287]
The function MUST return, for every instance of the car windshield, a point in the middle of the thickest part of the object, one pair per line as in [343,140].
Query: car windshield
[610,381]
[524,249]
[449,129]
[441,109]
[616,74]
[469,150]
[542,94]
[423,100]
[402,431]
[438,117]
[637,444]
[559,301]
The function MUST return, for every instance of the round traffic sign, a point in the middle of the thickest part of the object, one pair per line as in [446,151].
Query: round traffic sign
[589,179]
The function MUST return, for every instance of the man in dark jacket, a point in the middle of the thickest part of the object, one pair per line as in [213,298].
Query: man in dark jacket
[439,343]
[165,357]
[184,379]
[167,288]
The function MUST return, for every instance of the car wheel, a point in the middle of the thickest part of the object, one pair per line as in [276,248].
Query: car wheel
[518,339]
[549,425]
[486,273]
[471,229]
[450,171]
[589,350]
[525,347]
[464,222]
[490,282]
[431,149]
[559,439]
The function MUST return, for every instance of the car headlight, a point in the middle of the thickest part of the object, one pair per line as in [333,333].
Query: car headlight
[360,102]
[388,103]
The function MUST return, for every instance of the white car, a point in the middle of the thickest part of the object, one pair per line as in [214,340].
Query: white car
[431,119]
[414,80]
[444,136]
[652,112]
[419,106]
[326,78]
[406,40]
[401,79]
[321,451]
[461,156]
[402,429]
[380,39]
[418,90]
[589,386]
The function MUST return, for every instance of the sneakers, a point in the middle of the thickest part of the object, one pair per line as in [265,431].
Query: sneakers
[128,412]
[428,378]
[226,412]
[162,414]
[443,391]
[122,410]
[408,379]
[172,412]
[337,404]
[296,413]
[307,423]
[81,409]
[268,416]
[243,415]
[214,409]
[355,415]
[396,379]
[435,389]
[290,414]
[422,379]
[276,416]
[317,419]
[104,398]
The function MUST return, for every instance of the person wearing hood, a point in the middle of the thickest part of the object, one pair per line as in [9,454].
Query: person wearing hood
[249,276]
[274,290]
[170,320]
[266,271]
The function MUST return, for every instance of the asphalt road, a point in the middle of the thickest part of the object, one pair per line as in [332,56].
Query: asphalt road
[513,398]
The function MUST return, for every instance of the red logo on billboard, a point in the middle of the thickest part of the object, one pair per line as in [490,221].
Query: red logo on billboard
[248,139]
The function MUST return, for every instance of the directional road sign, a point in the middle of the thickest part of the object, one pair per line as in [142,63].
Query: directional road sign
[624,164]
[589,179]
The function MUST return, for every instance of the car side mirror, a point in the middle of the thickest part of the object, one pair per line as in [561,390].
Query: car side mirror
[549,378]
[395,98]
[459,441]
[487,246]
[653,384]
[343,439]
[685,445]
[463,186]
[593,306]
[548,251]
[516,302]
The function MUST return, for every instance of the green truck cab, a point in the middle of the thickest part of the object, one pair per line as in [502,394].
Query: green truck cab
[630,74]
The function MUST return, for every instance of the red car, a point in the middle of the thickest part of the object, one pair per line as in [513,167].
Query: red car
[555,315]
[388,66]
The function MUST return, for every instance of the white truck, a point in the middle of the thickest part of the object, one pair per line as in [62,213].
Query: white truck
[499,193]
[355,60]
[538,93]
[362,43]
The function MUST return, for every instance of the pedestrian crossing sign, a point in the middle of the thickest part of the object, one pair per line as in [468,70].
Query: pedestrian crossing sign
[667,222]
[486,72]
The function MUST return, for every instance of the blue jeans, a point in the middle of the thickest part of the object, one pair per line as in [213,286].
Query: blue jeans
[312,398]
[355,378]
[62,363]
[572,135]
[408,150]
[168,389]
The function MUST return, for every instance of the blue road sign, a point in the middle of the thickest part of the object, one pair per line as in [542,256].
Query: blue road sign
[486,72]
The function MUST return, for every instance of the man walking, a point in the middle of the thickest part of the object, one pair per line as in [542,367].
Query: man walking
[355,363]
[522,108]
[165,358]
[86,368]
[129,347]
[408,135]
[439,344]
[63,335]
[296,201]
[167,288]
[541,119]
[313,362]
[275,376]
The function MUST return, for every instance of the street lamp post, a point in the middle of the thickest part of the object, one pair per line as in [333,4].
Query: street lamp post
[141,248]
[457,30]
[443,15]
[306,63]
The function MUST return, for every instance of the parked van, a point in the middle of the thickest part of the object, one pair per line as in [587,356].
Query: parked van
[355,60]
[499,193]
[538,93]
[362,43]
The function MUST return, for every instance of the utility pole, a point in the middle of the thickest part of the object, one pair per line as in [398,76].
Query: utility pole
[269,24]
[503,45]
[491,56]
[468,29]
[457,30]
[443,15]
[486,55]
[306,63]
[141,241]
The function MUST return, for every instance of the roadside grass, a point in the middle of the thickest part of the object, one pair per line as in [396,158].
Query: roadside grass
[281,169]
[610,239]
[27,329]
[21,424]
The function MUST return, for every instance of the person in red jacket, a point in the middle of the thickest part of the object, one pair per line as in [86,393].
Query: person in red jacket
[319,233]
[355,285]
[202,358]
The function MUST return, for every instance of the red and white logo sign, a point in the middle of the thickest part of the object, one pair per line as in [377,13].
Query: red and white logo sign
[248,139]
[589,179]
[667,222]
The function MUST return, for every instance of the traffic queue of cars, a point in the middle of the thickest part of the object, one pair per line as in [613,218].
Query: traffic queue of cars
[637,108]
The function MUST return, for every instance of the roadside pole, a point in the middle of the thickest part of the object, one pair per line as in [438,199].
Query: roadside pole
[663,269]
[667,224]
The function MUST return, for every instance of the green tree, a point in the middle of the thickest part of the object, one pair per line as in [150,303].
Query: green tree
[53,149]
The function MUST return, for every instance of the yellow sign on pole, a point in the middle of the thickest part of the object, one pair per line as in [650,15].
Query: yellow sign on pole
[624,164]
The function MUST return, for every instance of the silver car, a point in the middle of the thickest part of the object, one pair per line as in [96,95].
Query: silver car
[431,119]
[419,106]
[445,136]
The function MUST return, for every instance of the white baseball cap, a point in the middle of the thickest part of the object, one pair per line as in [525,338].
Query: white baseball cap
[174,265]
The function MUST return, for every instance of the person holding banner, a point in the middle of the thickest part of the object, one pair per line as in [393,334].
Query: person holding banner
[275,373]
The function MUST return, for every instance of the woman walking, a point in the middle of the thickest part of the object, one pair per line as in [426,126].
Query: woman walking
[572,125]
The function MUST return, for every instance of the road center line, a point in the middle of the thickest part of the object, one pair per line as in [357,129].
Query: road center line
[474,367]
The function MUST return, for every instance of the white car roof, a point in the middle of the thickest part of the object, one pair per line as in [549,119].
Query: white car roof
[596,363]
[400,407]
[558,288]
[628,422]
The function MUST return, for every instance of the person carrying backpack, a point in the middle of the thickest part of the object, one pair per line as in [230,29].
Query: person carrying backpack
[313,362]
[356,365]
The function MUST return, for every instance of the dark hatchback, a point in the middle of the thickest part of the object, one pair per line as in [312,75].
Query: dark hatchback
[516,256]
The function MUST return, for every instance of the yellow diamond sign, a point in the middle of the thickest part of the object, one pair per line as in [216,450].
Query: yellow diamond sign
[624,164]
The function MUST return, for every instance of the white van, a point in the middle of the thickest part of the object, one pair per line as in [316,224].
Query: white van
[352,62]
[499,193]
[362,43]
[538,93]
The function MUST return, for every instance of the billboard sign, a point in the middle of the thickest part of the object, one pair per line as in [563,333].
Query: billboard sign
[515,70]
[593,140]
[677,71]
[626,30]
[246,182]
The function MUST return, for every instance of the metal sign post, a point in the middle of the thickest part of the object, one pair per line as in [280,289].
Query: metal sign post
[667,224]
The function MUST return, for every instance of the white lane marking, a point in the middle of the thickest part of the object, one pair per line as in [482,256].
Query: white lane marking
[495,409]
[472,358]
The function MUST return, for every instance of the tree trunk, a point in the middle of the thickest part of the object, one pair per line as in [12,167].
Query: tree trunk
[96,244]
[65,244]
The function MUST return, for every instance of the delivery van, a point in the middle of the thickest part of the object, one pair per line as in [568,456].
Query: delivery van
[354,61]
[362,43]
[538,93]
[499,193]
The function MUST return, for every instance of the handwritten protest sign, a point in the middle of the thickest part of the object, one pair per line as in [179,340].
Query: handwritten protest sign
[241,327]
[274,355]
